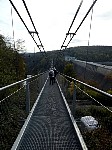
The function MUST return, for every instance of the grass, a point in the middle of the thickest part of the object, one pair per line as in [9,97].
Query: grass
[100,138]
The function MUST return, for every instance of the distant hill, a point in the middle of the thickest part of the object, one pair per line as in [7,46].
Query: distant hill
[40,62]
[91,53]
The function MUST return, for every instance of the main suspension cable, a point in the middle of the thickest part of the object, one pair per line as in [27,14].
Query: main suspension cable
[33,23]
[82,21]
[72,22]
[24,23]
[61,52]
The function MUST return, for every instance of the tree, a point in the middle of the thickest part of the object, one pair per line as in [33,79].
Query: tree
[69,70]
[9,67]
[19,45]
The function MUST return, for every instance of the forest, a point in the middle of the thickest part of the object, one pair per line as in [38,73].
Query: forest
[91,53]
[37,61]
[14,65]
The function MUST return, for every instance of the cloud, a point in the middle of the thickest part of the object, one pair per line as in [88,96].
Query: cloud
[52,20]
[3,22]
[78,41]
[107,15]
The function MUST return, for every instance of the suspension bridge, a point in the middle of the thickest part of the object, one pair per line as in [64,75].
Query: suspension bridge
[50,123]
[37,115]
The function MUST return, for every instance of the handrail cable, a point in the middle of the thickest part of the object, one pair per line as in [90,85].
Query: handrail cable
[12,94]
[72,22]
[82,21]
[17,90]
[32,23]
[24,23]
[88,95]
[94,99]
[89,86]
[10,85]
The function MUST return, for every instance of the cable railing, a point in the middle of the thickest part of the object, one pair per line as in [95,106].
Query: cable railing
[16,102]
[86,103]
[92,110]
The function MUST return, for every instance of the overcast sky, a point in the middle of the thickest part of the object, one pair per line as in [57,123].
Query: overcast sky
[52,19]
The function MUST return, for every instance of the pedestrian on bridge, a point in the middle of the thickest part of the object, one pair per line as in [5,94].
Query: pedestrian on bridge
[55,73]
[51,76]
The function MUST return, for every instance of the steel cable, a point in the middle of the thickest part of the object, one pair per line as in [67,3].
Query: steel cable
[82,21]
[72,22]
[88,41]
[32,22]
[13,34]
[88,95]
[24,23]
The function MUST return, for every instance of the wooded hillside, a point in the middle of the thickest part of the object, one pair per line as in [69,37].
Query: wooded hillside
[12,66]
[40,62]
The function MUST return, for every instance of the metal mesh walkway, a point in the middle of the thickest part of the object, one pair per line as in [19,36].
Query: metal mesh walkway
[50,127]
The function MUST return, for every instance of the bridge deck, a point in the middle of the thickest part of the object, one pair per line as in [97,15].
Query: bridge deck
[50,127]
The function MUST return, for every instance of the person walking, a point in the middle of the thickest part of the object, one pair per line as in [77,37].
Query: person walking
[55,73]
[51,76]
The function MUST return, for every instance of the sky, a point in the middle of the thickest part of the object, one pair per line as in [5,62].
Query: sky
[52,19]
